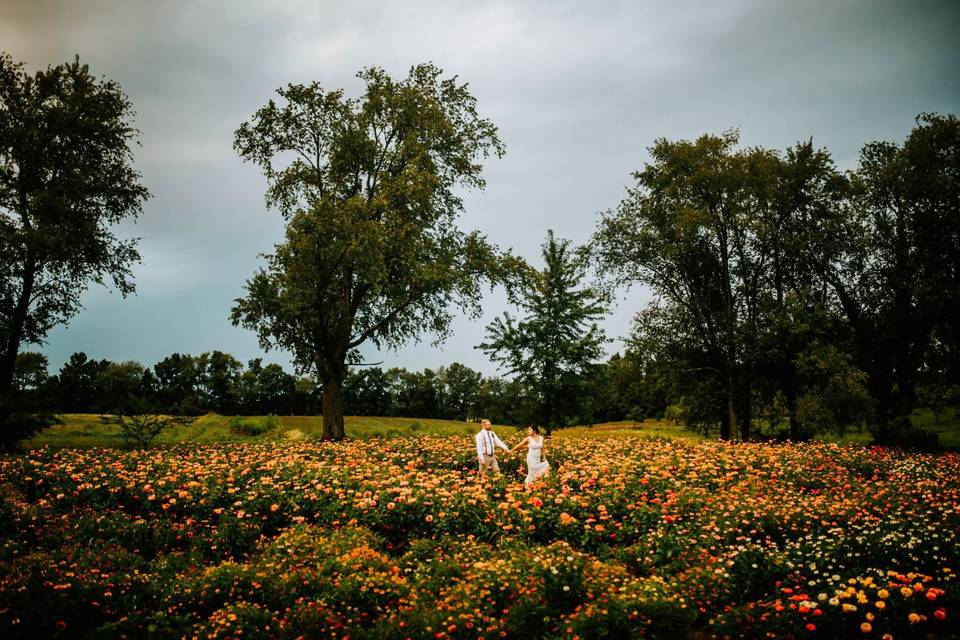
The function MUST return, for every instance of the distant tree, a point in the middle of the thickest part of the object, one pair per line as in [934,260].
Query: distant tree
[557,339]
[76,388]
[116,383]
[248,388]
[510,402]
[415,394]
[277,390]
[367,392]
[31,373]
[178,384]
[307,396]
[458,386]
[29,399]
[66,180]
[371,195]
[218,381]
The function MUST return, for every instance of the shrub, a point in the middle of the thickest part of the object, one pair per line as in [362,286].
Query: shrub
[139,425]
[254,426]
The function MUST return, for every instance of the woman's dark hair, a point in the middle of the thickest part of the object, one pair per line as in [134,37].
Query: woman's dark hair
[535,428]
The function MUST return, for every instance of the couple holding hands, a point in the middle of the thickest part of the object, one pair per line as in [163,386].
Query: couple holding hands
[487,442]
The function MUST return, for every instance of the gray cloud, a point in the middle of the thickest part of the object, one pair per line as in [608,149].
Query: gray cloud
[579,91]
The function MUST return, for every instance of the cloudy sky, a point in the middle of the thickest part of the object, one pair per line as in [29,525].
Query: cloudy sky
[579,91]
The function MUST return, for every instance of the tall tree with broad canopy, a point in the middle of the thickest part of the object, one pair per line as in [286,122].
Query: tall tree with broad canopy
[66,178]
[898,279]
[734,244]
[370,189]
[557,339]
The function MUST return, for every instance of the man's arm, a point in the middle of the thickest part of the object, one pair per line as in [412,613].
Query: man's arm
[479,447]
[499,442]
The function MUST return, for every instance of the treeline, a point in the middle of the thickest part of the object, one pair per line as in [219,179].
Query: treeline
[183,384]
[180,384]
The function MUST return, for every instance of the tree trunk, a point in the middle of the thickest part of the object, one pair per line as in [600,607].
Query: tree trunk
[731,417]
[8,358]
[725,414]
[333,375]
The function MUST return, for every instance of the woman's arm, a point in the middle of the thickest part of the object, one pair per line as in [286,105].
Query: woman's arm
[523,442]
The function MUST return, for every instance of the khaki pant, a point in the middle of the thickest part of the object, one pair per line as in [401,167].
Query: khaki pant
[488,463]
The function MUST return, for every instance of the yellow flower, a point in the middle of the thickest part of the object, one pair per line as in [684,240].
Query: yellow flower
[866,627]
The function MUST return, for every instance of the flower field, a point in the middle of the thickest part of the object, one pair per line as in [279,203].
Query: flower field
[397,538]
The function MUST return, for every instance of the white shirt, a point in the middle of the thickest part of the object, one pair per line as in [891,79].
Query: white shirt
[486,441]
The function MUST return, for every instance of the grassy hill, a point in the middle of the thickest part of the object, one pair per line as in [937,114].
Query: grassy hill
[87,430]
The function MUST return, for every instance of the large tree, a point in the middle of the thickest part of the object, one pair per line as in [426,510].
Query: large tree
[733,243]
[370,191]
[557,339]
[66,178]
[898,281]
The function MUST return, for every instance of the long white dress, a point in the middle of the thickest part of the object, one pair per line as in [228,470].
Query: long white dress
[536,468]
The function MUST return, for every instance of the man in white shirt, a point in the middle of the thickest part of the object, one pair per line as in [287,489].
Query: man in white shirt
[487,442]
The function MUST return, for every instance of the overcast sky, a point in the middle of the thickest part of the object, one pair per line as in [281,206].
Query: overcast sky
[579,91]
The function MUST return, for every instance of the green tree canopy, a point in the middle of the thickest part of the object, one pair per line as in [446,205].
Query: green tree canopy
[898,279]
[557,338]
[733,244]
[66,178]
[369,188]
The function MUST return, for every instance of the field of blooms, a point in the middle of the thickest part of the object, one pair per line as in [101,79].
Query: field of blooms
[398,538]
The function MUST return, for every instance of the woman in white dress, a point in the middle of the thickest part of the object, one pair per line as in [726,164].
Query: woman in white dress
[537,465]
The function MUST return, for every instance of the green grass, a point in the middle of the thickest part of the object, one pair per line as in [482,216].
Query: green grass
[86,430]
[649,428]
[947,429]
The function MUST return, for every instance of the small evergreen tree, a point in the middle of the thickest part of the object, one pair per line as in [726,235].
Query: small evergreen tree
[557,340]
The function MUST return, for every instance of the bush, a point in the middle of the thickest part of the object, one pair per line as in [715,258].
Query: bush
[254,426]
[139,425]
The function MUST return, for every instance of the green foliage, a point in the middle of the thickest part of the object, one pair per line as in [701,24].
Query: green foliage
[898,280]
[253,426]
[139,427]
[66,180]
[743,249]
[371,196]
[557,339]
[834,396]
